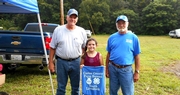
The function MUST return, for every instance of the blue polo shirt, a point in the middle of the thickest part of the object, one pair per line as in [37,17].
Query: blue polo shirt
[123,48]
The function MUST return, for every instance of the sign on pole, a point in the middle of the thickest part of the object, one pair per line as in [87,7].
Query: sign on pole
[93,80]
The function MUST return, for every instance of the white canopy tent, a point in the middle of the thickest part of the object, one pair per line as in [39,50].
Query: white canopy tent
[25,7]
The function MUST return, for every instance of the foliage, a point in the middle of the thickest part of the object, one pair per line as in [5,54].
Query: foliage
[158,19]
[6,24]
[93,14]
[147,17]
[49,10]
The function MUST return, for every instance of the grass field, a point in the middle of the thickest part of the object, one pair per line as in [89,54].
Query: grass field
[158,52]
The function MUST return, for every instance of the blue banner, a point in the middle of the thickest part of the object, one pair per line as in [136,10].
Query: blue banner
[93,80]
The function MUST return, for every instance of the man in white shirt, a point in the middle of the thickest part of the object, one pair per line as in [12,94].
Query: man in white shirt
[67,44]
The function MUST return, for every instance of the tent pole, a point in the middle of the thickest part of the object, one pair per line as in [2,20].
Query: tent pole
[42,36]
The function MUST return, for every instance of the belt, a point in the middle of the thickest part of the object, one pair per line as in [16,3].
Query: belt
[119,66]
[69,59]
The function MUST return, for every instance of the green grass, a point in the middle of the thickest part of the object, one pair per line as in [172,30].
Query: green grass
[157,52]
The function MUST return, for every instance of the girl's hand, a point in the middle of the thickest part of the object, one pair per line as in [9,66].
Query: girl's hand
[81,66]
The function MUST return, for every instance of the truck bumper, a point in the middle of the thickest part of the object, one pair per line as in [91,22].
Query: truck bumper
[27,59]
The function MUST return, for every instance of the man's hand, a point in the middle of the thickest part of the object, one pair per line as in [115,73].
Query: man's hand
[136,76]
[51,67]
[107,73]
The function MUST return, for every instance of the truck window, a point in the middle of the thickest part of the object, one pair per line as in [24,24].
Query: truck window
[48,28]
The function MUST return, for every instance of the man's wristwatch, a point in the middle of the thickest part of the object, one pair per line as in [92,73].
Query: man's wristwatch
[137,71]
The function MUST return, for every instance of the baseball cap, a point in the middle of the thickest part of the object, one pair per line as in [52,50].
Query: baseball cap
[122,17]
[72,11]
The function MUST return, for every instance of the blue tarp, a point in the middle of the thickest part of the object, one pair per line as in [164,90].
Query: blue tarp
[19,6]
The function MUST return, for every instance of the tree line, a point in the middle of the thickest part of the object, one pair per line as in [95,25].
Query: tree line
[146,17]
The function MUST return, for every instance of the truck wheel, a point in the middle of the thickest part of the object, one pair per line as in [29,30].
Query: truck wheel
[7,69]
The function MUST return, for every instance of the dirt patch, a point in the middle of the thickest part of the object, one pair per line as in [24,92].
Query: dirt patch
[173,68]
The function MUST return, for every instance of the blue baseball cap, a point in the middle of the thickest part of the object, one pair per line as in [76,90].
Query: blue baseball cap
[72,11]
[122,17]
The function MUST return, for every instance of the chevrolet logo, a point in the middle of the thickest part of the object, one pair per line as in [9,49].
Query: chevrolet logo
[15,43]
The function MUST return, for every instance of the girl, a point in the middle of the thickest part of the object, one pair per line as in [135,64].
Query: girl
[91,57]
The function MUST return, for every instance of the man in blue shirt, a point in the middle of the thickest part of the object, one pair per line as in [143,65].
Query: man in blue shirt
[123,50]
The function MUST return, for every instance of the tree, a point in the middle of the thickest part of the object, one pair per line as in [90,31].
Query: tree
[150,17]
[49,10]
[158,19]
[95,13]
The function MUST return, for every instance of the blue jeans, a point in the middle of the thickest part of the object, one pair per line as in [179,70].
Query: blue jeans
[67,69]
[121,78]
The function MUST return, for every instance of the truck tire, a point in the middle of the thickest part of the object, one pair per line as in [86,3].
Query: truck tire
[6,69]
